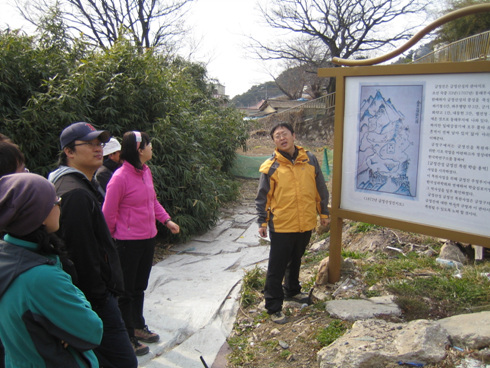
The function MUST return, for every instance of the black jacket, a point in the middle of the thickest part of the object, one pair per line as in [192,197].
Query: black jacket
[85,232]
[104,173]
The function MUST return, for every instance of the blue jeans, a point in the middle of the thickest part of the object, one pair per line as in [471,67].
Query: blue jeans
[284,264]
[115,349]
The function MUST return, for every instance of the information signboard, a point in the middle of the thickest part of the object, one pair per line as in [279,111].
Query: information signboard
[418,148]
[412,150]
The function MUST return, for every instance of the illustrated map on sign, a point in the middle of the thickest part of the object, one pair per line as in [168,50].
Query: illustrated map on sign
[389,138]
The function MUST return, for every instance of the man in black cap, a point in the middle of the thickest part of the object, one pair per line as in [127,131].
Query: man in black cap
[89,242]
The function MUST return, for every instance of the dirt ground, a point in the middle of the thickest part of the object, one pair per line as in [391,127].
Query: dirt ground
[258,342]
[264,344]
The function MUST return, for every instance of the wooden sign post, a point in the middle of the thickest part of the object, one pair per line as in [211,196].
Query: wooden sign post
[412,151]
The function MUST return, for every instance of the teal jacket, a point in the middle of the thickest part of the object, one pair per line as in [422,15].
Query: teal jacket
[41,310]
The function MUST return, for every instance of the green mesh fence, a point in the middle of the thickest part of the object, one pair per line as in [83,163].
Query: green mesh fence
[248,166]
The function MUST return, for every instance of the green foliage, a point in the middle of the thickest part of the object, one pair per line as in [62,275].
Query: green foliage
[353,254]
[386,269]
[242,353]
[465,291]
[424,289]
[309,284]
[314,257]
[253,283]
[465,26]
[47,84]
[362,227]
[336,328]
[256,94]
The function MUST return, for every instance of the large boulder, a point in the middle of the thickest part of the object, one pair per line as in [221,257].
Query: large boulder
[378,343]
[470,331]
[356,309]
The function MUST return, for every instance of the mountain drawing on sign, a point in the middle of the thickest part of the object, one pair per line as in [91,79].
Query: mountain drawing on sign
[388,140]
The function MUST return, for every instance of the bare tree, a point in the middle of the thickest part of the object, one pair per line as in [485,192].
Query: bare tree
[334,28]
[151,23]
[341,28]
[291,82]
[296,80]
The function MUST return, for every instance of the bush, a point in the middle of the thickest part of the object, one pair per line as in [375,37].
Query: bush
[120,89]
[253,284]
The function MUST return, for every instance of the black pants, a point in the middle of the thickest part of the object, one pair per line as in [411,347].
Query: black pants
[136,261]
[115,349]
[284,264]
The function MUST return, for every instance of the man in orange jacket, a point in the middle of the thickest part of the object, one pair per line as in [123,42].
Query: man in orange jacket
[291,194]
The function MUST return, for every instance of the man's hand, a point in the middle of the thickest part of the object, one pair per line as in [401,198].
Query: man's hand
[263,232]
[324,221]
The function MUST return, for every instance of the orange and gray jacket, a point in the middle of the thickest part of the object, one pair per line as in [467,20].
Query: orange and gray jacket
[291,193]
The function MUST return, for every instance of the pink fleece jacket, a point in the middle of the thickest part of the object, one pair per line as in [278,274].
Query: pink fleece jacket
[131,206]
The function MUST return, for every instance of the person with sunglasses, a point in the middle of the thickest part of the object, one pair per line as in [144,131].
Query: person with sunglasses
[89,242]
[46,320]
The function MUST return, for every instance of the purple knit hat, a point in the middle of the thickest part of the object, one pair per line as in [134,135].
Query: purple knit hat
[26,200]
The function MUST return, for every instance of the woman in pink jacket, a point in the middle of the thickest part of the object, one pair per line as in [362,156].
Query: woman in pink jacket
[131,209]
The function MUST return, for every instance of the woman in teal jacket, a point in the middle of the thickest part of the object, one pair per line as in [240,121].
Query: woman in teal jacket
[45,320]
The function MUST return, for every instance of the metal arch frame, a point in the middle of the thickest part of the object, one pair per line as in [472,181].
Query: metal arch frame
[440,21]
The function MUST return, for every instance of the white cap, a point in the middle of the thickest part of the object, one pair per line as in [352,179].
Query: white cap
[111,146]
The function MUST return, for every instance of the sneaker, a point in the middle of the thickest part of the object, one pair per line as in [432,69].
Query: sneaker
[145,335]
[299,298]
[279,318]
[139,348]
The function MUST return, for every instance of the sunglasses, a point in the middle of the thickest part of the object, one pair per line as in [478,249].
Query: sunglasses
[57,202]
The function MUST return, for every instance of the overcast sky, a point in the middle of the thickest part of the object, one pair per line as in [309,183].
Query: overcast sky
[221,27]
[225,26]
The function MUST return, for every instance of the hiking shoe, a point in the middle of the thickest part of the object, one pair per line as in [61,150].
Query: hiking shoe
[279,318]
[145,335]
[139,348]
[299,298]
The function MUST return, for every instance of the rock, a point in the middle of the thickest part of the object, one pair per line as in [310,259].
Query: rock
[322,276]
[318,294]
[377,343]
[429,253]
[471,331]
[348,264]
[275,332]
[283,344]
[471,363]
[318,246]
[451,251]
[356,309]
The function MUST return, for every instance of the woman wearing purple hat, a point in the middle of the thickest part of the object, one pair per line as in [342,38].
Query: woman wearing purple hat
[46,321]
